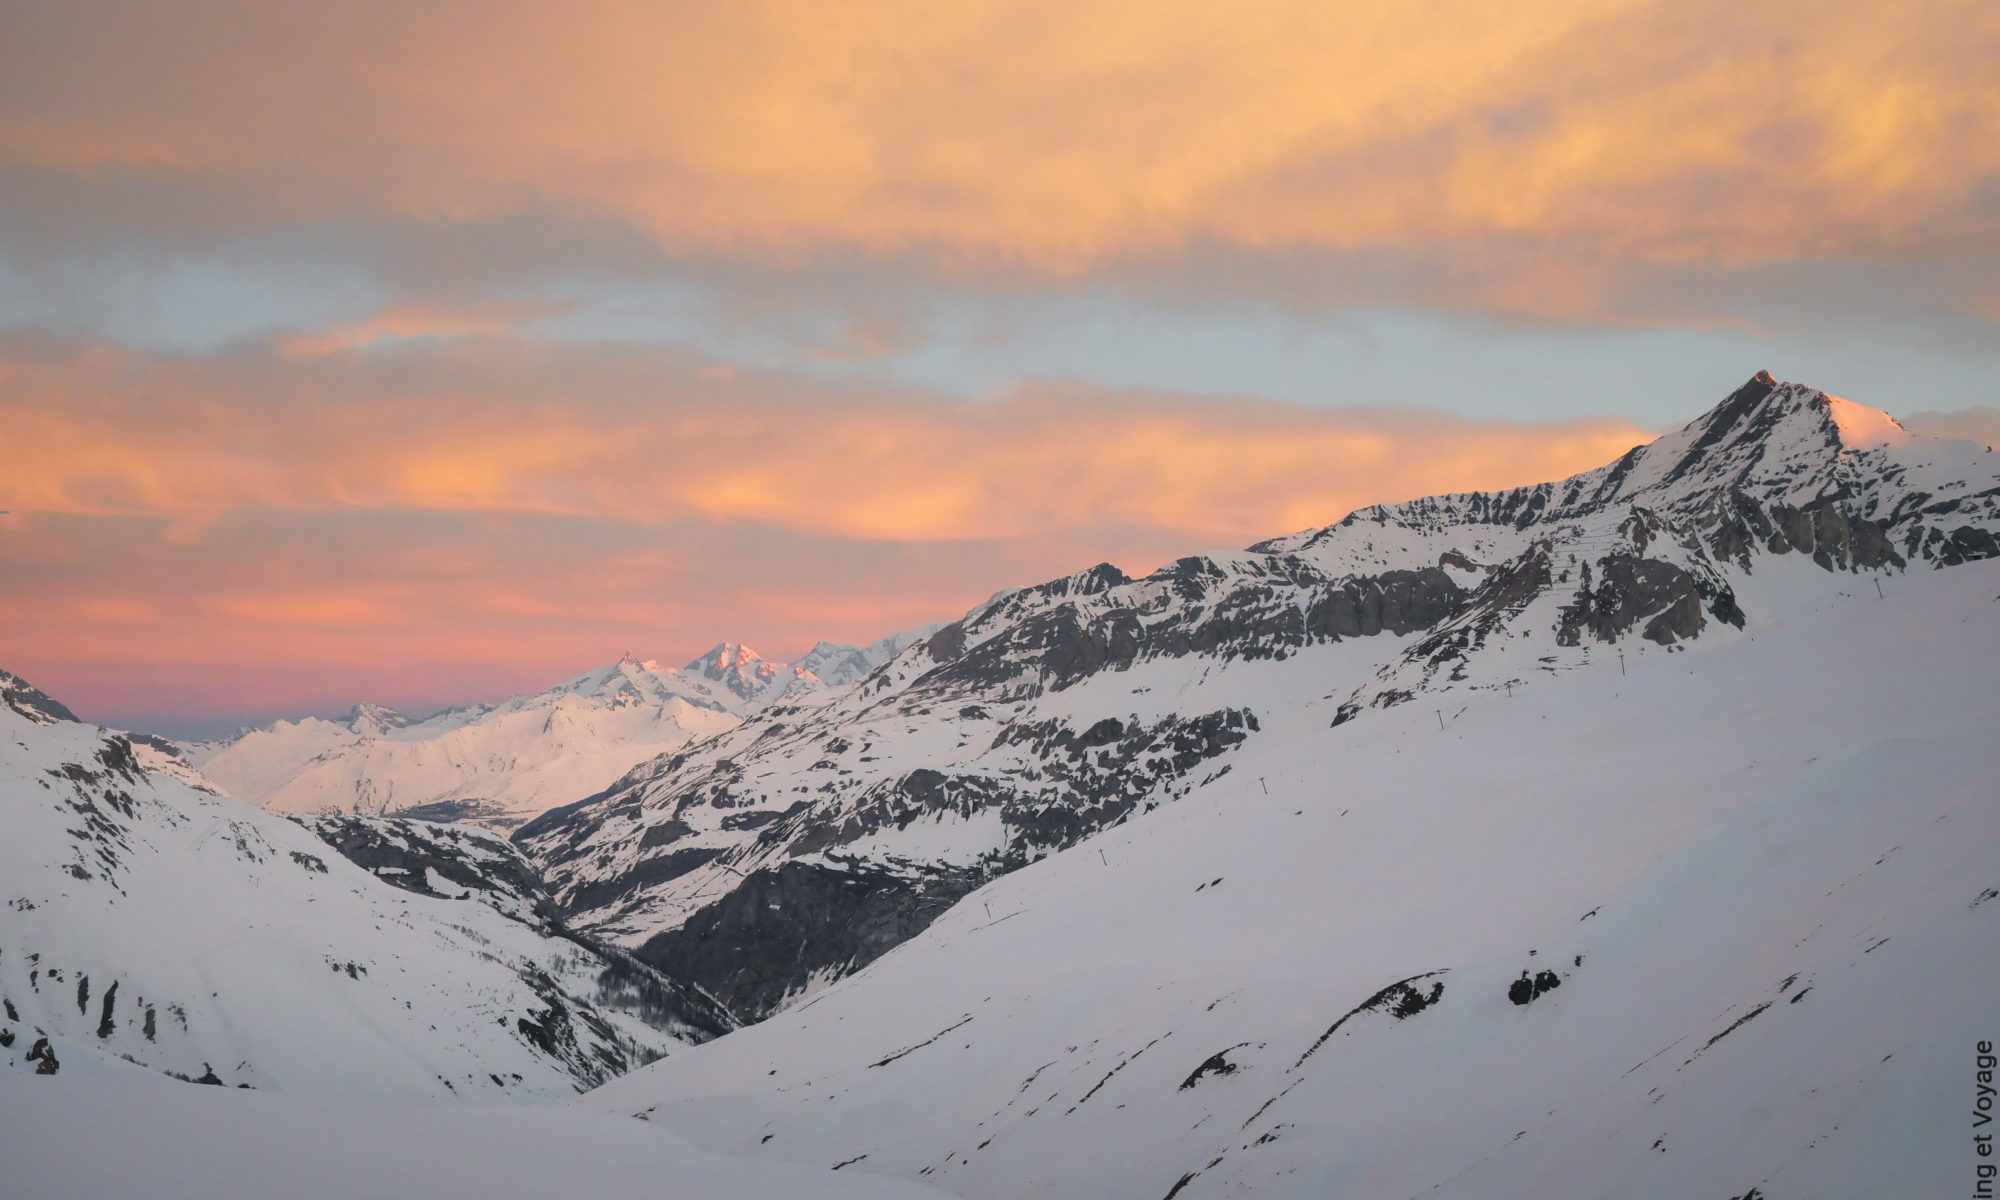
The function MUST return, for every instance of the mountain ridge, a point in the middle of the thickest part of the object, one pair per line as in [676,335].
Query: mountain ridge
[502,764]
[1058,710]
[152,920]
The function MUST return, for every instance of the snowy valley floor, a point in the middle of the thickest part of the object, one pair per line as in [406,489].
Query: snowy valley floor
[132,1136]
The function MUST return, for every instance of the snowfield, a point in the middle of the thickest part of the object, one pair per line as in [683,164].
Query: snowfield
[1761,874]
[121,1138]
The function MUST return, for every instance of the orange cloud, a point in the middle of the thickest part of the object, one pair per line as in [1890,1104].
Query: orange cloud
[1060,138]
[509,427]
[402,322]
[443,522]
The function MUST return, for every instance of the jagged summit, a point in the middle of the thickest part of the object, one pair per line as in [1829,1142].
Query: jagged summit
[737,667]
[374,720]
[1766,444]
[31,702]
[727,656]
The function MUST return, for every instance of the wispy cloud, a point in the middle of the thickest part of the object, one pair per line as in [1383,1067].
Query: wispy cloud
[1980,423]
[631,434]
[405,322]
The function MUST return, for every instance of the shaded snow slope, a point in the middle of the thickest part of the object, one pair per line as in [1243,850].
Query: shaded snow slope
[146,919]
[115,1138]
[800,845]
[1723,923]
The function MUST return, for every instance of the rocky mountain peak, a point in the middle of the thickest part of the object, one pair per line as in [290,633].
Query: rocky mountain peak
[725,657]
[738,668]
[31,702]
[374,720]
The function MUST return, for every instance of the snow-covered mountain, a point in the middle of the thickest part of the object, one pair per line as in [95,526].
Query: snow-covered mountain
[147,919]
[839,665]
[1724,923]
[501,764]
[805,842]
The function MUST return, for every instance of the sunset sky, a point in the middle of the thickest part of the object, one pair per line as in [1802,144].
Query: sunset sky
[430,353]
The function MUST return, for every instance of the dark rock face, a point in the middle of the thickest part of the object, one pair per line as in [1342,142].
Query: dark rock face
[446,811]
[24,698]
[832,920]
[786,923]
[1216,1064]
[1402,1000]
[1102,781]
[1629,589]
[661,868]
[1742,416]
[1284,606]
[44,1057]
[1525,989]
[485,868]
[1835,538]
[1967,543]
[413,855]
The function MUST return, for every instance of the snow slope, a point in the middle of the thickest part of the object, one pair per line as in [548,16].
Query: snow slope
[116,1138]
[1763,875]
[800,845]
[146,919]
[499,765]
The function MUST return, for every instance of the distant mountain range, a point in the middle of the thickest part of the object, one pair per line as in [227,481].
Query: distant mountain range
[501,764]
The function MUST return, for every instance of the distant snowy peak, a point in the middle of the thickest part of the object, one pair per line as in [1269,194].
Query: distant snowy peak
[503,764]
[747,676]
[31,702]
[730,678]
[839,665]
[632,681]
[756,683]
[373,720]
